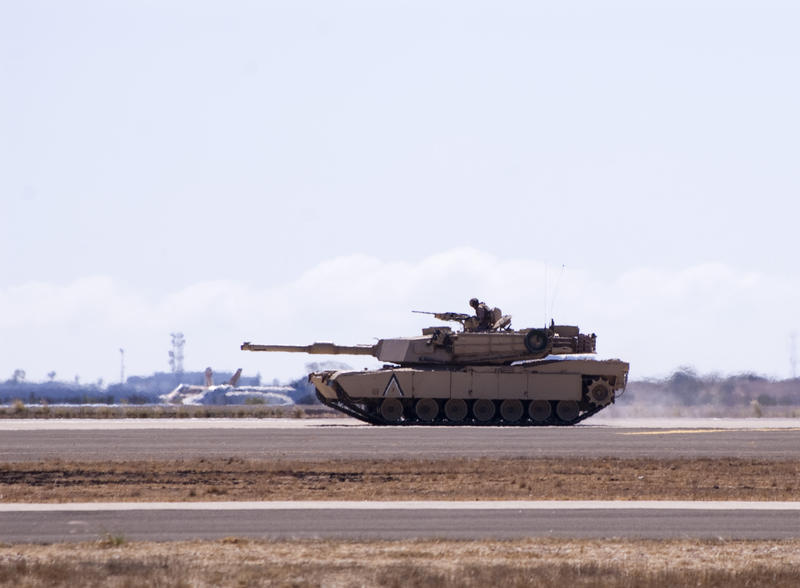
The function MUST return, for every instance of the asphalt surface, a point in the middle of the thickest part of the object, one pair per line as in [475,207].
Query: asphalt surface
[128,440]
[399,523]
[115,440]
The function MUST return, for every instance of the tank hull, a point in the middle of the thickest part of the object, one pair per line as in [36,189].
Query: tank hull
[556,390]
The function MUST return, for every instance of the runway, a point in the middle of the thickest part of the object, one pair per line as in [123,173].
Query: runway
[475,520]
[306,439]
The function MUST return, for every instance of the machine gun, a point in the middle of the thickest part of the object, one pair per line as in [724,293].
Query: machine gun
[448,316]
[469,322]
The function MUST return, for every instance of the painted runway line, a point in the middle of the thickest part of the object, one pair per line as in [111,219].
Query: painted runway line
[702,431]
[134,424]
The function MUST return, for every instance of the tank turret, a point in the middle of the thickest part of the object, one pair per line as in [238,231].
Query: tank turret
[443,346]
[484,374]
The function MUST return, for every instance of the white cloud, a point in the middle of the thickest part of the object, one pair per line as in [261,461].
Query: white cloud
[711,316]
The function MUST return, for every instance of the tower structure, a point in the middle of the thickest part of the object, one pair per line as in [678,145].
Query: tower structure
[176,353]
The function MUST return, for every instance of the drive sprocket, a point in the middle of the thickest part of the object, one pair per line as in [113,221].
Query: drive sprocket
[598,392]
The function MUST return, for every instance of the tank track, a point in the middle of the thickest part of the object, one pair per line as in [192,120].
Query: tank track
[370,414]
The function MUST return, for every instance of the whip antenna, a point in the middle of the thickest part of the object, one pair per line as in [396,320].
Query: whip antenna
[555,290]
[544,318]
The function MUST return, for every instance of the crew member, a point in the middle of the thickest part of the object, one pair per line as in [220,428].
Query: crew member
[484,315]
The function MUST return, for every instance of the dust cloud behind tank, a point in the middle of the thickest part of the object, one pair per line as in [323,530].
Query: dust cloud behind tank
[484,373]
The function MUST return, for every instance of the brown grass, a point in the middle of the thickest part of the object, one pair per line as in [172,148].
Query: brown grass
[542,562]
[409,479]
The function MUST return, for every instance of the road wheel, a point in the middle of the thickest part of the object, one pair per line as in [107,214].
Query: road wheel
[567,410]
[483,409]
[455,410]
[392,410]
[540,410]
[511,410]
[427,409]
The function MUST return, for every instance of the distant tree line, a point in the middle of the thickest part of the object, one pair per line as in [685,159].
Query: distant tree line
[685,387]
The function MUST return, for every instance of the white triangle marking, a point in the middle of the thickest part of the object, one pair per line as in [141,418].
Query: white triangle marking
[393,389]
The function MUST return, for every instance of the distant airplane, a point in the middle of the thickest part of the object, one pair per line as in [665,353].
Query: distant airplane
[230,393]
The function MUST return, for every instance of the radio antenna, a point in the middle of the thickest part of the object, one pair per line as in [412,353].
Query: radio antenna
[544,318]
[555,290]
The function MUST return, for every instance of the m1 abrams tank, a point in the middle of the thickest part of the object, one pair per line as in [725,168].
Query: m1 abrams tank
[495,376]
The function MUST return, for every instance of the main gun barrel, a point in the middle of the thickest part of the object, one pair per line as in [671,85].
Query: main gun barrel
[320,348]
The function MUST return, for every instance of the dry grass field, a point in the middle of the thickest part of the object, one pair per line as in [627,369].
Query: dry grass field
[409,479]
[113,562]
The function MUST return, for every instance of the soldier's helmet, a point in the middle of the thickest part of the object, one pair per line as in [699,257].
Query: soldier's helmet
[473,302]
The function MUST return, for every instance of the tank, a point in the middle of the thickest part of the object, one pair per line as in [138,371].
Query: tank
[471,376]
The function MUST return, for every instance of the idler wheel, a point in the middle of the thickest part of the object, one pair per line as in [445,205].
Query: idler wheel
[455,410]
[511,410]
[540,410]
[392,410]
[483,409]
[536,340]
[567,410]
[427,409]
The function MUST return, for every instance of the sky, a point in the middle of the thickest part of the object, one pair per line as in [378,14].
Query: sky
[306,171]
